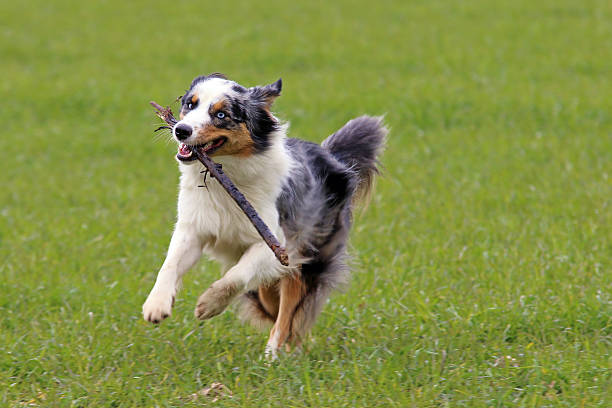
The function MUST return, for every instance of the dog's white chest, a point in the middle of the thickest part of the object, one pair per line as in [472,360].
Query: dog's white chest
[218,219]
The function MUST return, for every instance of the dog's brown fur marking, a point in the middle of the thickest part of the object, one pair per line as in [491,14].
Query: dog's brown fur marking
[292,290]
[269,299]
[239,142]
[216,107]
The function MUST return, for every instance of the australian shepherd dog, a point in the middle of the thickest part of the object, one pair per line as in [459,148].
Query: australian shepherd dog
[303,191]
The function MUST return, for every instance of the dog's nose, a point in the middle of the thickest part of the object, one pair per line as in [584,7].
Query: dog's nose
[182,131]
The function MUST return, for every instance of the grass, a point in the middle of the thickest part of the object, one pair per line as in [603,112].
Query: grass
[482,267]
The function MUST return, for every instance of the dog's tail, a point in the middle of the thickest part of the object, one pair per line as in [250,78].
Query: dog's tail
[358,145]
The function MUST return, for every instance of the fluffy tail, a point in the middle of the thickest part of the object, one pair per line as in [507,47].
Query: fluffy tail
[358,145]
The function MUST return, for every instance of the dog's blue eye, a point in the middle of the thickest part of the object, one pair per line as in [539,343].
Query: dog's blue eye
[220,115]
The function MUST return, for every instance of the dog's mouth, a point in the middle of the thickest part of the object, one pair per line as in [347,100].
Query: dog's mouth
[186,152]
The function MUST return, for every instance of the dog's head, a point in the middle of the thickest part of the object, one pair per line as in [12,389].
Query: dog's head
[224,118]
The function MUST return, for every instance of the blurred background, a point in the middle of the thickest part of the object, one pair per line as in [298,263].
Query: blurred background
[481,267]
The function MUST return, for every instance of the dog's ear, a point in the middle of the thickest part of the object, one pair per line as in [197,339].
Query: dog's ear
[274,90]
[268,93]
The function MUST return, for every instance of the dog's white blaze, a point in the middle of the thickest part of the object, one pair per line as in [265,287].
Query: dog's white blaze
[208,92]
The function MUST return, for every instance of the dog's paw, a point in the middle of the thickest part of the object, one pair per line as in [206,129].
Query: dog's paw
[158,306]
[214,300]
[271,353]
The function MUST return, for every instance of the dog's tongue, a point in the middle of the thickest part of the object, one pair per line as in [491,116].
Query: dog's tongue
[184,150]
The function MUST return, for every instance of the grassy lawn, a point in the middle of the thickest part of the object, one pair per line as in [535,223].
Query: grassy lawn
[483,266]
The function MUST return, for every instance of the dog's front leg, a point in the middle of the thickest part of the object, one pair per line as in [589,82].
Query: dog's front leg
[184,251]
[256,265]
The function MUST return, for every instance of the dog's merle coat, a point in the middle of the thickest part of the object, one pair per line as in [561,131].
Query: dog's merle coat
[305,192]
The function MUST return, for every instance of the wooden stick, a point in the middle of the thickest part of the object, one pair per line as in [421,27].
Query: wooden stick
[215,171]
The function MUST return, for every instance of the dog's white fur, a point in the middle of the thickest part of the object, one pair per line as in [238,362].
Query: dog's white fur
[210,221]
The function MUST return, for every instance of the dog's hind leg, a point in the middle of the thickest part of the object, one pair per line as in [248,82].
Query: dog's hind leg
[321,278]
[306,314]
[291,290]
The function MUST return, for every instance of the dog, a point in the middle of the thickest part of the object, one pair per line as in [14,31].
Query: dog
[303,191]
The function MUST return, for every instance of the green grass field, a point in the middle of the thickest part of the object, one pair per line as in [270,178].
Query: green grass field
[483,265]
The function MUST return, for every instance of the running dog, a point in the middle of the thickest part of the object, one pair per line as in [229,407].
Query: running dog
[303,191]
